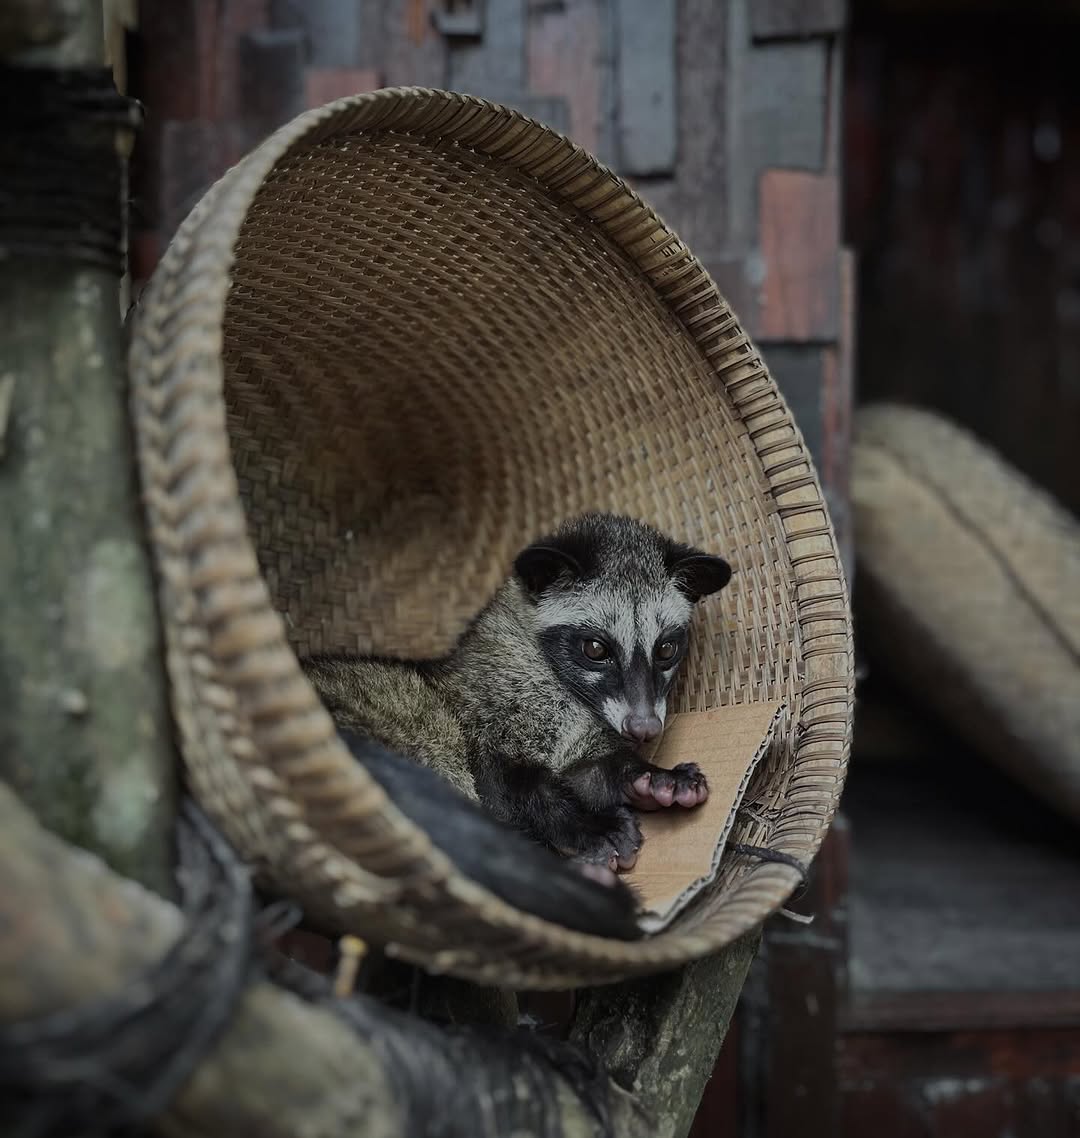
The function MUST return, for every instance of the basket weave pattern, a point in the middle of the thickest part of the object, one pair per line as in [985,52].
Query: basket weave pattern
[406,335]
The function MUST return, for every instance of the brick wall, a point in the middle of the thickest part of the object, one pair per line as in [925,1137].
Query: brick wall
[725,113]
[216,77]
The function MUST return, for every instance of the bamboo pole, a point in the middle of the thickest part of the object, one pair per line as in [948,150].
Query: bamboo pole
[85,733]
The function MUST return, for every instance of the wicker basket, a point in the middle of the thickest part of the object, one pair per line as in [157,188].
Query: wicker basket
[405,335]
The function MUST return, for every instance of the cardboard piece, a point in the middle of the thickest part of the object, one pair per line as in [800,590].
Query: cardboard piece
[682,848]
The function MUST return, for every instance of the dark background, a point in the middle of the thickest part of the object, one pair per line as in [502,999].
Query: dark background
[962,199]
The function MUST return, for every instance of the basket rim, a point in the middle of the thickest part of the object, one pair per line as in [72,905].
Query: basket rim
[219,616]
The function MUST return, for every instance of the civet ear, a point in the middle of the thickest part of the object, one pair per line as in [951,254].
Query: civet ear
[697,574]
[539,567]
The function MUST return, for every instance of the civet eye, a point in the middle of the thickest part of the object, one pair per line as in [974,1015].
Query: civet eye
[594,650]
[667,651]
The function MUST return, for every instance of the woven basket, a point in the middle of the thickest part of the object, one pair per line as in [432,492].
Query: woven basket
[403,337]
[970,593]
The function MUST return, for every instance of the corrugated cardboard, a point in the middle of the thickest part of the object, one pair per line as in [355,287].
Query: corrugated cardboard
[682,848]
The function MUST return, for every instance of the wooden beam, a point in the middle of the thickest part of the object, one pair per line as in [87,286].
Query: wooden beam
[660,1037]
[890,1013]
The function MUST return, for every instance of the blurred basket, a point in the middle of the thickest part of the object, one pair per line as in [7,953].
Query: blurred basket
[404,336]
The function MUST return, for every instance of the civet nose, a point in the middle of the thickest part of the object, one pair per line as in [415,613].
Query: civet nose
[642,728]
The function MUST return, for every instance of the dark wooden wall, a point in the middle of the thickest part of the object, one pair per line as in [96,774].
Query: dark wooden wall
[963,201]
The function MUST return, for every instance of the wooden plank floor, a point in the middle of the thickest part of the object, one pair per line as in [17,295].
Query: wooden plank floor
[959,882]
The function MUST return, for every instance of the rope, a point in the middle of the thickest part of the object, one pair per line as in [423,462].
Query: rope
[62,169]
[763,853]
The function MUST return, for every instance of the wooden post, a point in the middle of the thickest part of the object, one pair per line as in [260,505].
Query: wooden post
[660,1037]
[84,736]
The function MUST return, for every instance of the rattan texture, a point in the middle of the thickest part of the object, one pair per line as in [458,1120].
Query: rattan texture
[404,336]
